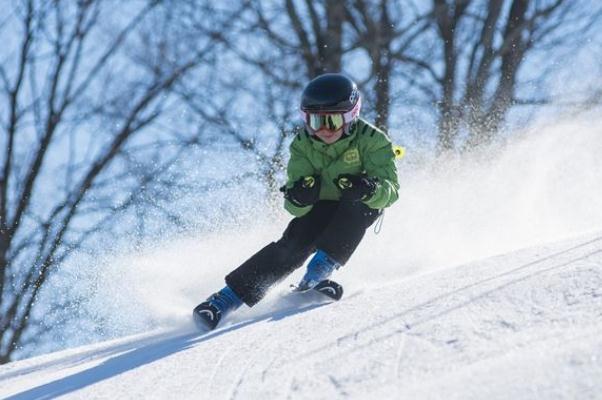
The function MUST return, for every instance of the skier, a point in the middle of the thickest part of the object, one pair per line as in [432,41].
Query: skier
[341,175]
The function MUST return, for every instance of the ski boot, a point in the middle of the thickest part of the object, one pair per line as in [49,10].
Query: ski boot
[209,313]
[319,269]
[330,289]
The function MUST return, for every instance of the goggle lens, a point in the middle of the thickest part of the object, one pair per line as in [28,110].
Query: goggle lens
[332,122]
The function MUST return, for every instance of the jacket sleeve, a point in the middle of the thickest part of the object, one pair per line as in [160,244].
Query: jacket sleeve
[379,162]
[298,167]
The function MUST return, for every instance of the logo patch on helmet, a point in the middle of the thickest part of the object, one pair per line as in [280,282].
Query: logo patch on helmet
[351,156]
[354,95]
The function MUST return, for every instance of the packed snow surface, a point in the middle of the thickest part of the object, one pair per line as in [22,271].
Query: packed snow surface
[522,325]
[420,318]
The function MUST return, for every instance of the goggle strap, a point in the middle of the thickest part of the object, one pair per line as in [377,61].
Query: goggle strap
[350,116]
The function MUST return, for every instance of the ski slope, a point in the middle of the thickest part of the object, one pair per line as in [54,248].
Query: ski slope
[522,325]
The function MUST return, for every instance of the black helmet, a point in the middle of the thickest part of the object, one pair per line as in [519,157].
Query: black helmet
[330,93]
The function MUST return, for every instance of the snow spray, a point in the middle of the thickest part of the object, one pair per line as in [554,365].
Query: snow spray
[544,185]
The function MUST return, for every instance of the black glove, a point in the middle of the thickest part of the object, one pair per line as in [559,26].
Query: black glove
[356,188]
[305,192]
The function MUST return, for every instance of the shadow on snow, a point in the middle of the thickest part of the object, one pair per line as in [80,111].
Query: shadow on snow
[140,356]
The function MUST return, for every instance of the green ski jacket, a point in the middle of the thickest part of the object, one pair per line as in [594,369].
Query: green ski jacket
[366,150]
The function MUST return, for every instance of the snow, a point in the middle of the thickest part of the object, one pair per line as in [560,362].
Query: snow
[520,325]
[485,282]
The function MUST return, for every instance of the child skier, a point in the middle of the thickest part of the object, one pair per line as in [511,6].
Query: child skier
[341,174]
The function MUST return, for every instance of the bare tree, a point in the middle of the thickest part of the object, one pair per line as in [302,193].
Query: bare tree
[464,57]
[472,72]
[288,43]
[315,33]
[76,98]
[384,30]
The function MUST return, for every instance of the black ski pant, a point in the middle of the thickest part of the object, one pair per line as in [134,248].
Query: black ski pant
[331,226]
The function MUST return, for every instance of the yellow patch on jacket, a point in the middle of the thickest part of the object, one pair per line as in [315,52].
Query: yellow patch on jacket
[352,156]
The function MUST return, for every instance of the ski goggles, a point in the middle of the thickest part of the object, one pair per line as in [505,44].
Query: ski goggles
[332,122]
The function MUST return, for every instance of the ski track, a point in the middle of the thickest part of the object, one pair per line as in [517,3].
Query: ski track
[523,325]
[220,364]
[398,358]
[235,389]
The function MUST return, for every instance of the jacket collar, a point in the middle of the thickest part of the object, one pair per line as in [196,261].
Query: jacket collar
[337,148]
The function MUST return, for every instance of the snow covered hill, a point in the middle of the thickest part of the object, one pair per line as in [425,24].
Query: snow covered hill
[524,325]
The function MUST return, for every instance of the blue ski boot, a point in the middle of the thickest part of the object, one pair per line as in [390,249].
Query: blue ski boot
[319,269]
[210,312]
